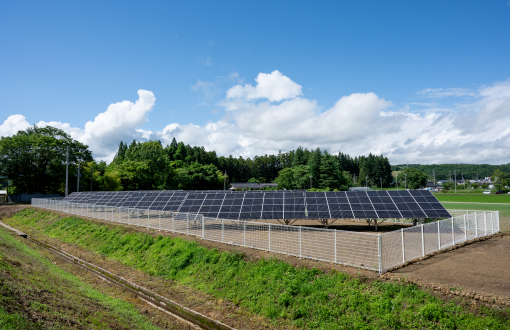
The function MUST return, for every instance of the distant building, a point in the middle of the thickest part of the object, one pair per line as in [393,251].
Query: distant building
[359,188]
[3,196]
[254,186]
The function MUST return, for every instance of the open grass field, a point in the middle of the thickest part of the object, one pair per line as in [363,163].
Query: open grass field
[479,201]
[288,296]
[473,198]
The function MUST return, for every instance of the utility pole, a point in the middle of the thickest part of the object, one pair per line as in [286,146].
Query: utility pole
[225,181]
[67,171]
[397,181]
[405,177]
[366,181]
[455,172]
[90,177]
[78,175]
[434,174]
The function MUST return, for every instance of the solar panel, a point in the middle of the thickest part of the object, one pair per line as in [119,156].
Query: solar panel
[297,204]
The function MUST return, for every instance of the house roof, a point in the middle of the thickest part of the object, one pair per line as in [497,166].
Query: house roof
[241,185]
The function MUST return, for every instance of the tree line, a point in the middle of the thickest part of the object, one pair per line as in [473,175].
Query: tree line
[466,171]
[34,161]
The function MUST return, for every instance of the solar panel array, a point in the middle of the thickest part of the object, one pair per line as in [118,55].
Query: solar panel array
[275,204]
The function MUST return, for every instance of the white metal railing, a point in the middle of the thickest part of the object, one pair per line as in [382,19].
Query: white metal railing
[365,250]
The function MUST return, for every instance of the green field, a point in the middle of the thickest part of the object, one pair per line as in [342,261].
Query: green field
[473,198]
[286,295]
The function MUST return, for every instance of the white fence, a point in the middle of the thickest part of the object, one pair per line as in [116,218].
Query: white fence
[365,250]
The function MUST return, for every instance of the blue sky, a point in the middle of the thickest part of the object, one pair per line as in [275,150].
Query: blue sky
[407,70]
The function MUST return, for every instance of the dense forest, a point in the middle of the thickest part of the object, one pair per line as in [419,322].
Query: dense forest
[466,171]
[150,165]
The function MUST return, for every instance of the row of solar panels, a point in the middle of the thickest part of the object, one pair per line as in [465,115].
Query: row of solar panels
[275,204]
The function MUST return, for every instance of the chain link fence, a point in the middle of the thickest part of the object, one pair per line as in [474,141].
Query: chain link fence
[371,251]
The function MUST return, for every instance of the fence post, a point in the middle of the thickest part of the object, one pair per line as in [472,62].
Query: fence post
[453,233]
[222,230]
[403,248]
[492,223]
[465,228]
[439,235]
[300,251]
[159,220]
[269,237]
[379,245]
[422,241]
[138,212]
[244,232]
[476,224]
[203,227]
[128,215]
[187,224]
[335,246]
[148,219]
[485,222]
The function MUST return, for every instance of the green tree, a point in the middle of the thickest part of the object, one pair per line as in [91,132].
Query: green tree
[415,178]
[35,159]
[253,180]
[285,179]
[499,179]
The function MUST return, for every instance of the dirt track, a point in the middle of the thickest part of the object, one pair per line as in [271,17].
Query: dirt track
[481,268]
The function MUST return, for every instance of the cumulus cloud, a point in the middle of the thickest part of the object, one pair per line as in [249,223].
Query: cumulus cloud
[268,119]
[120,121]
[273,86]
[13,124]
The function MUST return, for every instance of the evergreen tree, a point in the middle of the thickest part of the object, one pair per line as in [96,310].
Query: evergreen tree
[315,165]
[299,157]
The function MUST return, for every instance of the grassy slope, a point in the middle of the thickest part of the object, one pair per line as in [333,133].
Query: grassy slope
[36,294]
[305,297]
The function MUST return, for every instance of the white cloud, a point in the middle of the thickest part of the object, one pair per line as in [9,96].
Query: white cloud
[273,86]
[120,121]
[357,124]
[13,124]
[445,92]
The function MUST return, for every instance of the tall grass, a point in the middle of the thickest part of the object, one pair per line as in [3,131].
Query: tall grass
[306,298]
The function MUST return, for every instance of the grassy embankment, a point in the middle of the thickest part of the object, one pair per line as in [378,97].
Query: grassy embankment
[36,294]
[306,298]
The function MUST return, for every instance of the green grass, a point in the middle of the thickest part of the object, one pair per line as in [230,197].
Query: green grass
[305,298]
[473,198]
[36,294]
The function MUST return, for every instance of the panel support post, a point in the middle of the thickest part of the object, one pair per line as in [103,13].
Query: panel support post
[300,249]
[439,235]
[422,242]
[269,237]
[403,248]
[379,245]
[335,246]
[465,228]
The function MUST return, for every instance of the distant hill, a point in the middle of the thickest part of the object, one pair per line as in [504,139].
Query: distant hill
[468,170]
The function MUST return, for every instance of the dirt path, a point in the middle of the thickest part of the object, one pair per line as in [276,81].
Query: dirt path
[482,266]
